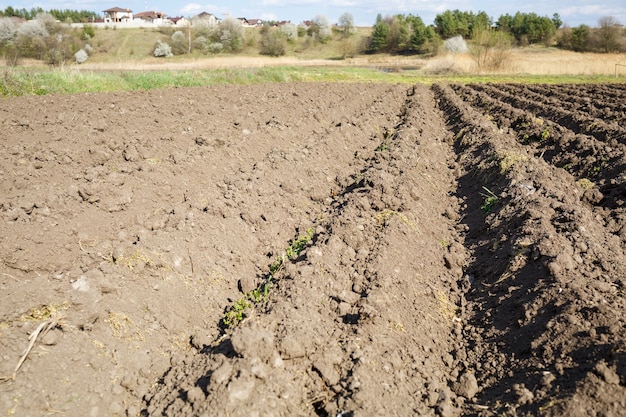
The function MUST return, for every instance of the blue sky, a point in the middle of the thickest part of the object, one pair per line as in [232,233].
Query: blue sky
[573,12]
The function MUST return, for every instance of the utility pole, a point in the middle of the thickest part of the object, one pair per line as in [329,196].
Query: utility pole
[189,32]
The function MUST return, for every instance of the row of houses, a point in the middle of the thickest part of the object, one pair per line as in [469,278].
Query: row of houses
[118,15]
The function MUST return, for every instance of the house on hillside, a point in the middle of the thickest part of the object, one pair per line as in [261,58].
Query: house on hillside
[206,18]
[151,16]
[117,15]
[178,21]
[255,22]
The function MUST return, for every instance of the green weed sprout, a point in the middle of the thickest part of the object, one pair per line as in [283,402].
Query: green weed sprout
[237,312]
[490,199]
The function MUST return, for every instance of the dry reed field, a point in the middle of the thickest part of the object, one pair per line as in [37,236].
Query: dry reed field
[530,61]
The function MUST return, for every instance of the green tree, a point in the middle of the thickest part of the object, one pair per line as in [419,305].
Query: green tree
[403,34]
[580,38]
[379,35]
[530,28]
[479,22]
[505,23]
[9,11]
[459,23]
[452,23]
[423,39]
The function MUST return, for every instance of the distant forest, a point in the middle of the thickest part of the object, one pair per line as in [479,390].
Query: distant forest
[73,16]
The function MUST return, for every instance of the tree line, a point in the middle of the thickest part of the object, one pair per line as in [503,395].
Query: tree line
[65,15]
[409,34]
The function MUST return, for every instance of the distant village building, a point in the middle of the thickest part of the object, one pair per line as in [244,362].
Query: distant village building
[151,16]
[117,15]
[206,19]
[179,21]
[255,22]
[124,18]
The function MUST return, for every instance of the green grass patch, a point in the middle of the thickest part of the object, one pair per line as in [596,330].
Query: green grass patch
[28,81]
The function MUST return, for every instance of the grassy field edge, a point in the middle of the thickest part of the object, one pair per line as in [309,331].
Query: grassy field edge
[29,81]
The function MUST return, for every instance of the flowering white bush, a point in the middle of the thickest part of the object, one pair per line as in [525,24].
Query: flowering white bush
[455,45]
[8,30]
[81,56]
[162,49]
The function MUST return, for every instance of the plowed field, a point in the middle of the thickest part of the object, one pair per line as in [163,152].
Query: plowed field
[315,249]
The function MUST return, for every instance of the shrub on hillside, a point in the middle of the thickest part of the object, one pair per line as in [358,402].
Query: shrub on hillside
[320,29]
[11,55]
[273,42]
[33,29]
[215,47]
[88,32]
[58,49]
[162,50]
[290,31]
[201,43]
[230,33]
[81,56]
[179,43]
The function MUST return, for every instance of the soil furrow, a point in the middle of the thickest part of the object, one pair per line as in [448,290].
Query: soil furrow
[608,107]
[528,310]
[583,156]
[356,320]
[552,110]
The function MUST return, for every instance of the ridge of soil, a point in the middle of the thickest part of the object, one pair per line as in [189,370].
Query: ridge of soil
[467,251]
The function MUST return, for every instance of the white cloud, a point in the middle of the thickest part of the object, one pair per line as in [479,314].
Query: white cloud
[191,9]
[345,3]
[267,17]
[589,10]
[286,3]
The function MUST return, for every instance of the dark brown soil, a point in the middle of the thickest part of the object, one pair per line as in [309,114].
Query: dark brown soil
[466,251]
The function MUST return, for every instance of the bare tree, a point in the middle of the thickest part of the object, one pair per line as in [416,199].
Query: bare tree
[608,34]
[491,49]
[346,23]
